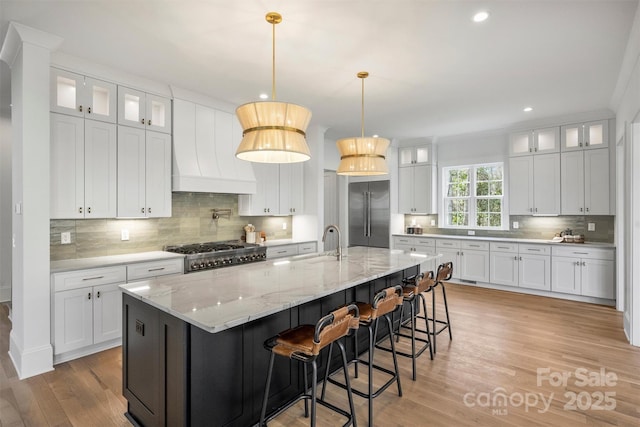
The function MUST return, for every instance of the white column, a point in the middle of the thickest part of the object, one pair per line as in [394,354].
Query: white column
[27,52]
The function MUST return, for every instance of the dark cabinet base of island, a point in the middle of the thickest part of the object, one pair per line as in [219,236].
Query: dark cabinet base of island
[176,374]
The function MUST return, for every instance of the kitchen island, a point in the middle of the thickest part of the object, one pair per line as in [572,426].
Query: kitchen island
[192,345]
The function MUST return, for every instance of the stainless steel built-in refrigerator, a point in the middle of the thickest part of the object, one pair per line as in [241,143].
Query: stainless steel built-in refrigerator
[369,214]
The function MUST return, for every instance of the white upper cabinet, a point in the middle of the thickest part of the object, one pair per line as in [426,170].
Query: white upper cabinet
[144,173]
[585,182]
[534,185]
[83,168]
[538,141]
[266,200]
[416,189]
[415,155]
[143,110]
[291,189]
[81,96]
[584,136]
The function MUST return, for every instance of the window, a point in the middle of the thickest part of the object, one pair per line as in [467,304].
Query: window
[473,196]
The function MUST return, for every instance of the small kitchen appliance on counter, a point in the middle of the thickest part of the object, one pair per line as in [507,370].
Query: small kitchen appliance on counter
[207,256]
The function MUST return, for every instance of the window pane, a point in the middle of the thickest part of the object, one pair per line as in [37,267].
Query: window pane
[482,205]
[483,173]
[482,189]
[495,220]
[496,173]
[495,205]
[482,220]
[496,188]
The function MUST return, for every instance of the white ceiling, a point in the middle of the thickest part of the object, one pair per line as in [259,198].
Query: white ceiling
[433,71]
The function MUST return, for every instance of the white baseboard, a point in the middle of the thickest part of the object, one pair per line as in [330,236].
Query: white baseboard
[29,363]
[85,351]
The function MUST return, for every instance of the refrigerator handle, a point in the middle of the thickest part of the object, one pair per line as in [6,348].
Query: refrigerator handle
[369,214]
[365,213]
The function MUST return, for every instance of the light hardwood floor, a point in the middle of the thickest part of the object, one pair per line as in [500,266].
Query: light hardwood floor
[501,341]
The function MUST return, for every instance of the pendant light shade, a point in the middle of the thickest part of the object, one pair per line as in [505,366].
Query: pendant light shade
[360,156]
[273,132]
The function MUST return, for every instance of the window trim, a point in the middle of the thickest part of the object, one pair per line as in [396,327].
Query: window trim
[472,198]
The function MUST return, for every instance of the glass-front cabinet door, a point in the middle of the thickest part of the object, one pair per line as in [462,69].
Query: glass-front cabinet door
[520,143]
[415,155]
[76,95]
[547,140]
[158,113]
[584,136]
[143,110]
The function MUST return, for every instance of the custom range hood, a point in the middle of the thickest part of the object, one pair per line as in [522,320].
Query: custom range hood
[205,139]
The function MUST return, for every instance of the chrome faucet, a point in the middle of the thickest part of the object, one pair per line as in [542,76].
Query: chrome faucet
[330,228]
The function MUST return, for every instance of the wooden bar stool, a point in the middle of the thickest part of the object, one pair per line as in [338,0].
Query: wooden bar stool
[303,343]
[444,273]
[413,293]
[384,303]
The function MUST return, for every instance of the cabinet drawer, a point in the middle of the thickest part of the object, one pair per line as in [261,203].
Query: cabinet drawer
[307,248]
[282,251]
[446,243]
[403,240]
[503,247]
[534,249]
[478,246]
[145,270]
[593,253]
[90,277]
[425,242]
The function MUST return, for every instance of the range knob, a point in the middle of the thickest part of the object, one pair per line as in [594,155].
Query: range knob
[194,266]
[202,265]
[210,264]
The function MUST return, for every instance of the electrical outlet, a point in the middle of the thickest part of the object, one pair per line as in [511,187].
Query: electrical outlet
[516,225]
[471,233]
[284,225]
[433,222]
[65,238]
[591,226]
[124,234]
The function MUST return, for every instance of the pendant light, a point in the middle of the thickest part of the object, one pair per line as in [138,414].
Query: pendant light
[273,132]
[360,156]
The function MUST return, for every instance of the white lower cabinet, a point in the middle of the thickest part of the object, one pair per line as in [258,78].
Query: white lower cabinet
[292,249]
[522,265]
[503,263]
[87,308]
[86,315]
[418,245]
[588,272]
[470,258]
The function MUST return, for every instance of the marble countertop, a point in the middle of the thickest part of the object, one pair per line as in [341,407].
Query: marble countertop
[223,298]
[111,260]
[507,239]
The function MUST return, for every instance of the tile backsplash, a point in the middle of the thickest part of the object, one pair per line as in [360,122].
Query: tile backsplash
[531,227]
[191,221]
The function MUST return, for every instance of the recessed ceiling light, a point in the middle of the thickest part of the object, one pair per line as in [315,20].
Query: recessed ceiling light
[264,96]
[376,136]
[481,16]
[527,109]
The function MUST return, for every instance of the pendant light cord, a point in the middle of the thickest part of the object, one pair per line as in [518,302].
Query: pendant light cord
[273,61]
[362,118]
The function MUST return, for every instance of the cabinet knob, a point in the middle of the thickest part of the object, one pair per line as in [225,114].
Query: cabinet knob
[80,209]
[535,149]
[142,210]
[580,209]
[89,110]
[586,144]
[98,294]
[584,263]
[515,258]
[536,209]
[587,209]
[580,144]
[89,295]
[520,258]
[149,122]
[89,209]
[148,210]
[530,149]
[80,108]
[142,121]
[577,263]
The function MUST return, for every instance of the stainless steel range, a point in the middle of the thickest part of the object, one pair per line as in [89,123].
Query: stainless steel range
[206,256]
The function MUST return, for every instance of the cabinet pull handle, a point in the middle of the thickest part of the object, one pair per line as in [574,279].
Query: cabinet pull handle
[80,209]
[581,253]
[515,258]
[148,210]
[587,209]
[584,263]
[98,294]
[149,122]
[535,149]
[530,149]
[89,110]
[474,246]
[89,295]
[577,263]
[536,209]
[586,144]
[580,144]
[89,209]
[520,258]
[142,210]
[142,121]
[580,209]
[156,269]
[502,247]
[80,108]
[282,252]
[92,278]
[533,250]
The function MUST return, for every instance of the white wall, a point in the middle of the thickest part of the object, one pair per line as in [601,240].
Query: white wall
[5,207]
[626,103]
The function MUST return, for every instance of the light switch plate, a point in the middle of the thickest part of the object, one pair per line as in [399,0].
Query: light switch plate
[433,222]
[471,233]
[516,225]
[591,226]
[124,234]
[65,238]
